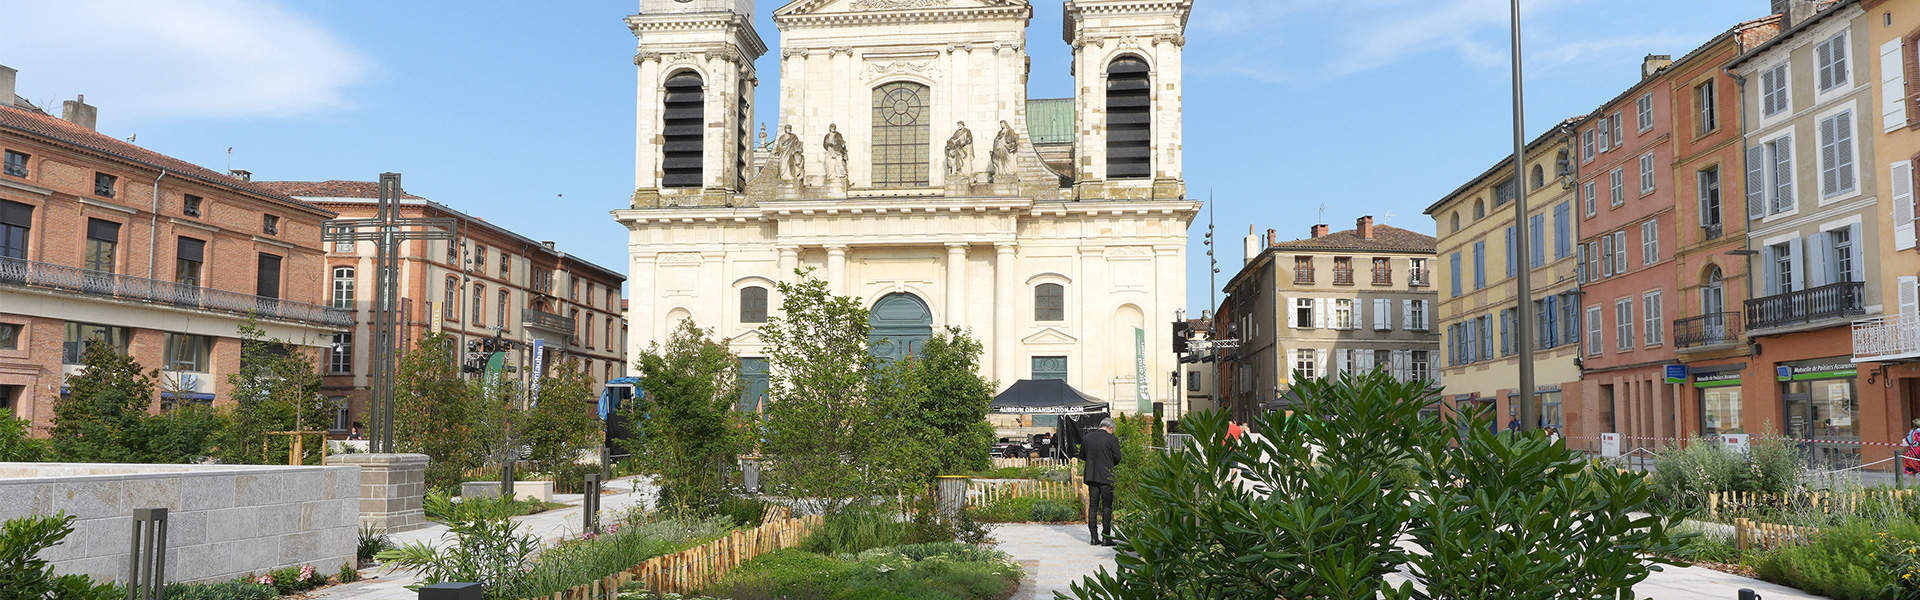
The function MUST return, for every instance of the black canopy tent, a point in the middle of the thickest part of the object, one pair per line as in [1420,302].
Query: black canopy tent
[1045,397]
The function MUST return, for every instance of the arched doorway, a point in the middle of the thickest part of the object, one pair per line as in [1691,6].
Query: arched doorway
[901,325]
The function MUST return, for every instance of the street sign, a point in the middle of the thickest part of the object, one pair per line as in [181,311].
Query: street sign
[1737,442]
[1676,373]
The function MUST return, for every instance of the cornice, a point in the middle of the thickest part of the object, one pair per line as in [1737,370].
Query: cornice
[904,17]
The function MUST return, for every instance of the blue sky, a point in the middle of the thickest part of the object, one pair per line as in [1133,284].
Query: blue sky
[522,112]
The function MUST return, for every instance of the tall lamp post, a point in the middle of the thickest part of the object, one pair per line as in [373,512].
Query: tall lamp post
[1529,411]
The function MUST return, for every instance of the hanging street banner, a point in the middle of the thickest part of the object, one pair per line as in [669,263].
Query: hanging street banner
[1140,369]
[539,369]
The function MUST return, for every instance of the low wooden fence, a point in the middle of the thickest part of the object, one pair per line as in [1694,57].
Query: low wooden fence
[1755,535]
[981,493]
[1004,463]
[1724,505]
[700,567]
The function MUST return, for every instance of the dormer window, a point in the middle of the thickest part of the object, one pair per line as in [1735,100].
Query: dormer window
[190,205]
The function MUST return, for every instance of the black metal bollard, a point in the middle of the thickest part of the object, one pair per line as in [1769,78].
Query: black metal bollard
[147,561]
[590,504]
[451,591]
[1747,594]
[506,479]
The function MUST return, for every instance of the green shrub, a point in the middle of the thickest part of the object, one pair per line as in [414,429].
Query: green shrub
[293,580]
[232,590]
[487,548]
[348,574]
[745,512]
[372,542]
[17,443]
[23,574]
[1055,511]
[857,529]
[1685,473]
[1846,561]
[940,571]
[1027,509]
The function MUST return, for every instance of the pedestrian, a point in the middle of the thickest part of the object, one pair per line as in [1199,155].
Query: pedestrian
[1101,451]
[1514,425]
[1912,455]
[355,434]
[1553,435]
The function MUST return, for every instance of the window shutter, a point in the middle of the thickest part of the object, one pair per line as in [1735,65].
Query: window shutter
[1823,61]
[1580,263]
[1859,253]
[1320,363]
[1513,259]
[1756,182]
[1366,361]
[1829,156]
[1320,313]
[1772,260]
[1382,314]
[1506,335]
[1293,312]
[1903,231]
[1783,173]
[1893,85]
[1796,256]
[1606,256]
[1843,152]
[1406,315]
[1820,260]
[1619,135]
[1909,298]
[1620,252]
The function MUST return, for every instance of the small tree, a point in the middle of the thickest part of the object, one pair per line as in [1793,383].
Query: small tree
[689,427]
[560,424]
[105,415]
[435,412]
[17,443]
[941,388]
[277,388]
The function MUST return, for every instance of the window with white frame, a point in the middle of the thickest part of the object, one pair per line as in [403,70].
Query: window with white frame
[1836,155]
[1586,146]
[1619,128]
[343,287]
[1773,90]
[1623,324]
[1830,61]
[1418,365]
[1616,187]
[1620,252]
[1655,325]
[1303,363]
[479,304]
[1840,255]
[1782,256]
[1650,242]
[1707,116]
[1343,313]
[1643,110]
[1606,256]
[1587,197]
[1593,330]
[340,359]
[1417,315]
[1709,189]
[1303,313]
[1606,135]
[1776,183]
[1646,173]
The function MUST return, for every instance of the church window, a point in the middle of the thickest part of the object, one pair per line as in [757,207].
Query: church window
[1049,302]
[900,135]
[1129,120]
[753,304]
[685,120]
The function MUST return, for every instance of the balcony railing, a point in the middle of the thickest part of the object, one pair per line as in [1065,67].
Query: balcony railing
[1419,277]
[1343,276]
[1836,301]
[1302,276]
[534,318]
[29,274]
[1383,277]
[1886,338]
[1710,329]
[1712,232]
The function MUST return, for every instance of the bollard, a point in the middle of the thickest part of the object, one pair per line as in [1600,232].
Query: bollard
[1747,594]
[590,504]
[147,562]
[451,591]
[506,479]
[606,463]
[952,495]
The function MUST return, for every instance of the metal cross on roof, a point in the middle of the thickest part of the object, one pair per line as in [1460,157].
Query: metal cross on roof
[386,230]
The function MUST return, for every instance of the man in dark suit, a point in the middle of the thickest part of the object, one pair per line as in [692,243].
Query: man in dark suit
[1101,450]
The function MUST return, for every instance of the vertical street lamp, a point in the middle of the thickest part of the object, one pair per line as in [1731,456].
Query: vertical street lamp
[1529,411]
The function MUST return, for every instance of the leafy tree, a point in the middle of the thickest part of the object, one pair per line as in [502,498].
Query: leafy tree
[17,443]
[436,413]
[829,437]
[277,388]
[941,387]
[105,416]
[561,422]
[689,426]
[1316,510]
[24,575]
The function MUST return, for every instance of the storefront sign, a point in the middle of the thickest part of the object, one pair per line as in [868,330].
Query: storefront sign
[1676,373]
[1824,370]
[434,317]
[1610,445]
[1713,380]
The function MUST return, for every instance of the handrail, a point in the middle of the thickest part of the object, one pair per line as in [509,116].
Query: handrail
[547,320]
[30,274]
[1710,329]
[1805,306]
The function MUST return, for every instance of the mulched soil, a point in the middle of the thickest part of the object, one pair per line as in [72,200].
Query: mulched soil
[1735,569]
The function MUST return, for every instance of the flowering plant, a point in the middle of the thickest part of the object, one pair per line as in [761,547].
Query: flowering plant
[264,579]
[306,573]
[1902,558]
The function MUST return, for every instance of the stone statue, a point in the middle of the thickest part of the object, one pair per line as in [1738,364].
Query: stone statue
[960,152]
[1004,146]
[836,147]
[789,156]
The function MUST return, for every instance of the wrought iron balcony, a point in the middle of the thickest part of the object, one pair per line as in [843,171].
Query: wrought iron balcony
[1383,276]
[1419,278]
[1343,276]
[1302,276]
[38,275]
[1712,232]
[1712,329]
[1835,301]
[1885,339]
[534,318]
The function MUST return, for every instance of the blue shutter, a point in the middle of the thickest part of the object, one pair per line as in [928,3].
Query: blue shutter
[1562,226]
[1552,331]
[1538,237]
[1455,260]
[1513,256]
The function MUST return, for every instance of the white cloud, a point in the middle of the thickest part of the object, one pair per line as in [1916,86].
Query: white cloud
[179,58]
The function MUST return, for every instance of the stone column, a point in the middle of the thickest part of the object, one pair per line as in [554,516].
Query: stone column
[789,260]
[1004,346]
[837,269]
[391,486]
[956,310]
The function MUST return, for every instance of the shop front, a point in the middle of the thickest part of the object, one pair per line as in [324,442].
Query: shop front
[1717,391]
[1820,399]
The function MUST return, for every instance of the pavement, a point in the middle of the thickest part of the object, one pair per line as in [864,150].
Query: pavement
[1058,555]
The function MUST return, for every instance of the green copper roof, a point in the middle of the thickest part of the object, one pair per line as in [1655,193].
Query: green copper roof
[1050,121]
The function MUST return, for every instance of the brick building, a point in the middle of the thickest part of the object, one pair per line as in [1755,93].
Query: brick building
[103,239]
[489,282]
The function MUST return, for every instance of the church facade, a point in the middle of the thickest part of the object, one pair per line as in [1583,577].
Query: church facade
[910,170]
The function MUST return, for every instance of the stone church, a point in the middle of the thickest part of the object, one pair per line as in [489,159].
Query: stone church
[910,170]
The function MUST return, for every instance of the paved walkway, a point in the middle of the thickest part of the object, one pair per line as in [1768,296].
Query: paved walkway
[1058,555]
[380,584]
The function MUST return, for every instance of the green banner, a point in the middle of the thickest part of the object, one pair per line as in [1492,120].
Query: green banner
[1140,370]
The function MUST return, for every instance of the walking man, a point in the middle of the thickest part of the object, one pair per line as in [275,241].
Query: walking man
[1101,450]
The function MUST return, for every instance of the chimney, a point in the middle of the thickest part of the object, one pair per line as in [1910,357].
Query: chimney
[549,245]
[1250,246]
[78,112]
[1794,12]
[7,75]
[1364,227]
[1653,63]
[240,174]
[1273,237]
[1320,230]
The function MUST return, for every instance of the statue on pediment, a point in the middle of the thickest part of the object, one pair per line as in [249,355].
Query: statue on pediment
[789,156]
[1005,145]
[836,156]
[960,152]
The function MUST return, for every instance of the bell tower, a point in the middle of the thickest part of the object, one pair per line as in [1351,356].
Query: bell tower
[694,138]
[1126,71]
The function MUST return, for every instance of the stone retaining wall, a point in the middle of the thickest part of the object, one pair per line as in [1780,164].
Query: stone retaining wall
[223,521]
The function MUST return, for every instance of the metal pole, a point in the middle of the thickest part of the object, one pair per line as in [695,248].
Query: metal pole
[1529,412]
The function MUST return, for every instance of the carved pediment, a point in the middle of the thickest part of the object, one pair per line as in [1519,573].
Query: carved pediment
[806,7]
[1050,335]
[750,338]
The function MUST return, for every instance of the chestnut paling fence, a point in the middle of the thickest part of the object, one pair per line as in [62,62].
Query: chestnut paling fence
[1722,506]
[1749,534]
[1004,463]
[700,567]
